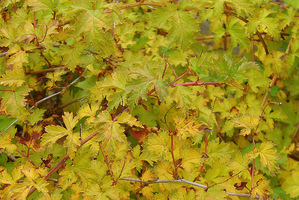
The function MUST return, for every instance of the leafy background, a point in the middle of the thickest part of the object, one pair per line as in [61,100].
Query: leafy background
[185,99]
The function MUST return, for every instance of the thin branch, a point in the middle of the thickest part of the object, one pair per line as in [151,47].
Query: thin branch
[72,101]
[178,78]
[26,157]
[10,157]
[6,90]
[295,133]
[107,163]
[197,83]
[167,62]
[183,181]
[46,70]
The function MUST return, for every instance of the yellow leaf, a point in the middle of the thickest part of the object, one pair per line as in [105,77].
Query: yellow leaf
[16,77]
[70,121]
[291,184]
[269,156]
[148,192]
[6,144]
[125,117]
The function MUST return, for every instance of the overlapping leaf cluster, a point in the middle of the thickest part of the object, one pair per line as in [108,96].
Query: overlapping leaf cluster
[113,97]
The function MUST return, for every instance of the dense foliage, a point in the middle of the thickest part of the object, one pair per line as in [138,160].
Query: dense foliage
[185,99]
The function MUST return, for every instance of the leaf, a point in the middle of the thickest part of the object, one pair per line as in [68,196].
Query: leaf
[261,22]
[191,158]
[54,77]
[92,22]
[291,185]
[69,120]
[269,156]
[13,103]
[157,144]
[186,127]
[239,163]
[17,56]
[180,24]
[72,143]
[125,117]
[36,116]
[6,143]
[247,122]
[161,89]
[15,77]
[53,133]
[218,152]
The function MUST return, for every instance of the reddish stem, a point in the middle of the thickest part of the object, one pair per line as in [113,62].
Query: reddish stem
[107,163]
[198,83]
[26,157]
[6,90]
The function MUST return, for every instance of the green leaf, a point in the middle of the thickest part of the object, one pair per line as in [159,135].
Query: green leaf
[36,116]
[53,133]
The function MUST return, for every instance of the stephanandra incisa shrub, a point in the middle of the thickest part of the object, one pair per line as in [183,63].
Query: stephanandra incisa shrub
[156,99]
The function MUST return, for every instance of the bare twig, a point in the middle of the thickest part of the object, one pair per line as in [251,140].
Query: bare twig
[46,70]
[183,181]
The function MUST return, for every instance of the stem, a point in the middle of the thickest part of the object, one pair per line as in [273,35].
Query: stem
[46,70]
[6,90]
[167,62]
[175,171]
[269,89]
[26,157]
[198,83]
[107,163]
[178,78]
[122,169]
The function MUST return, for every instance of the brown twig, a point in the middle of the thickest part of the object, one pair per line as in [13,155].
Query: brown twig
[46,70]
[6,90]
[26,157]
[198,83]
[107,163]
[122,169]
[167,62]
